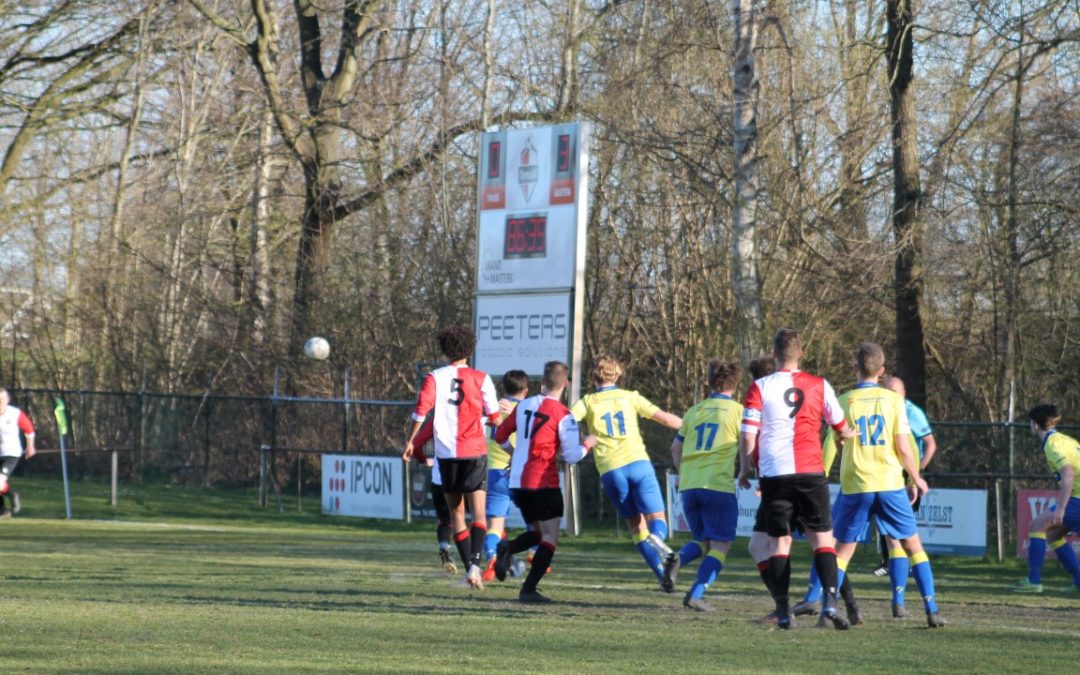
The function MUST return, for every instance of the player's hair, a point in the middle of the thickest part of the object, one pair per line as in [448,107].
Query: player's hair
[723,375]
[457,342]
[787,344]
[762,366]
[515,382]
[1046,415]
[606,368]
[556,373]
[869,360]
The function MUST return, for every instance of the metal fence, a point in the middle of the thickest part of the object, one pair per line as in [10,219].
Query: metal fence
[215,439]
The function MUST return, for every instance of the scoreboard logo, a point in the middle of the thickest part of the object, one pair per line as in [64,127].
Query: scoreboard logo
[528,169]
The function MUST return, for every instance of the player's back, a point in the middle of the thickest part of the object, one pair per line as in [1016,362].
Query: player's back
[543,426]
[611,414]
[460,397]
[869,462]
[710,444]
[786,409]
[498,458]
[1063,450]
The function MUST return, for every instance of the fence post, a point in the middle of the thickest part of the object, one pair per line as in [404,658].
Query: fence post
[1000,523]
[299,482]
[140,428]
[408,492]
[115,475]
[263,453]
[345,418]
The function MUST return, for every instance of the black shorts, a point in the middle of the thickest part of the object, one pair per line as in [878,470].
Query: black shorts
[8,464]
[800,500]
[537,505]
[442,509]
[463,475]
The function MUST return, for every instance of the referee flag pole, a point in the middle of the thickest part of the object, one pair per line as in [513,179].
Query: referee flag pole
[62,430]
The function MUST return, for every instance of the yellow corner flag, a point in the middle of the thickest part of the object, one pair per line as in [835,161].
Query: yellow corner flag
[61,417]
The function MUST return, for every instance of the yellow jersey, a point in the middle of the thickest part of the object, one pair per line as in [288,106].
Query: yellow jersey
[710,444]
[1061,451]
[497,458]
[870,462]
[611,414]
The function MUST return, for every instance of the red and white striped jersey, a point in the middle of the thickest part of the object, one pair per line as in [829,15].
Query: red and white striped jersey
[544,427]
[459,398]
[785,410]
[12,421]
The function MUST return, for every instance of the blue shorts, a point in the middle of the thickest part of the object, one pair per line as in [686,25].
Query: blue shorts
[498,493]
[712,514]
[1071,519]
[892,509]
[633,489]
[798,535]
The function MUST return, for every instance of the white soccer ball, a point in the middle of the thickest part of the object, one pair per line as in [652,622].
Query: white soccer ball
[317,348]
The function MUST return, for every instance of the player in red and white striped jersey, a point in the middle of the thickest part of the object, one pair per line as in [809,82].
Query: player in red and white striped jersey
[782,419]
[12,421]
[545,429]
[459,398]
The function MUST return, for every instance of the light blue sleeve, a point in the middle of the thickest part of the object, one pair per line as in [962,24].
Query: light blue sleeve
[920,425]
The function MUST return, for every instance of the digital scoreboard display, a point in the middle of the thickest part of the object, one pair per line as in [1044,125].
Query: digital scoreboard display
[526,236]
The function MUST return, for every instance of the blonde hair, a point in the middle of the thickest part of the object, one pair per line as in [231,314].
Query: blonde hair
[869,360]
[606,369]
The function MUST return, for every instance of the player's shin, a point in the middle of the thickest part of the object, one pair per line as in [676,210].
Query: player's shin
[1036,555]
[707,572]
[541,561]
[648,552]
[780,583]
[477,534]
[1067,557]
[464,547]
[899,567]
[524,542]
[924,579]
[826,564]
[813,589]
[690,552]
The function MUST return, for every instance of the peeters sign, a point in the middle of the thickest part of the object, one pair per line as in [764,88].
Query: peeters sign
[367,487]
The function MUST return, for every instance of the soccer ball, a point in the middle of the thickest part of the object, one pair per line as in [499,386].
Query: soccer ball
[317,348]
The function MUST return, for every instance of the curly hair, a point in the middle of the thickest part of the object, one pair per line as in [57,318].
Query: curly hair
[1046,415]
[457,342]
[723,375]
[762,366]
[606,369]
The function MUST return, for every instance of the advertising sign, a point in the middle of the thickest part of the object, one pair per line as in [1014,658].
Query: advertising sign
[366,487]
[1029,504]
[522,331]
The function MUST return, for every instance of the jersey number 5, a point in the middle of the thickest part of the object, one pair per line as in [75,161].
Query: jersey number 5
[455,388]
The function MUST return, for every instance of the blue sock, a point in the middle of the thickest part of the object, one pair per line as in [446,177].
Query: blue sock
[840,574]
[652,558]
[689,553]
[813,590]
[659,528]
[899,566]
[1036,555]
[706,574]
[924,579]
[1067,557]
[490,542]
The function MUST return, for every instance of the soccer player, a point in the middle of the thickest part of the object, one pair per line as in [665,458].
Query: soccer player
[782,416]
[704,451]
[872,466]
[515,384]
[12,421]
[1063,455]
[461,398]
[626,473]
[545,429]
[438,497]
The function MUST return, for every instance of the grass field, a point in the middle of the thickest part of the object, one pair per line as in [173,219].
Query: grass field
[178,580]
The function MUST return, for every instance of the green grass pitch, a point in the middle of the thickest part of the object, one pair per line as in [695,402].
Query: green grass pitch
[178,580]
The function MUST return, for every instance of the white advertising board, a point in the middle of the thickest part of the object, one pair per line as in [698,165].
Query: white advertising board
[522,331]
[365,487]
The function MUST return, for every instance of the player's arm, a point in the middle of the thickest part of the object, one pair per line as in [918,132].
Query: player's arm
[929,448]
[573,447]
[667,419]
[1068,477]
[490,401]
[907,459]
[425,401]
[505,429]
[27,427]
[422,438]
[748,433]
[834,413]
[677,443]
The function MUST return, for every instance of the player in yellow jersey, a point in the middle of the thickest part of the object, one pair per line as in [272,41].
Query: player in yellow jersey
[1050,527]
[872,466]
[515,386]
[626,473]
[704,451]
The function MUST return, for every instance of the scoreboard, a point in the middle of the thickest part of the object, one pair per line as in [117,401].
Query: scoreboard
[531,215]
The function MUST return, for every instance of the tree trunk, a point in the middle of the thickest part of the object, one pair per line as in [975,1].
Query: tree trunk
[907,201]
[259,296]
[745,283]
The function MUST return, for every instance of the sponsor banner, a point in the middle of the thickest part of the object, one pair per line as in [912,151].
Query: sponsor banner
[363,486]
[423,507]
[1029,504]
[949,521]
[522,331]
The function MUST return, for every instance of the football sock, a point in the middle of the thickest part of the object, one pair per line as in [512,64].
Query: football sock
[883,548]
[464,547]
[652,558]
[780,577]
[763,570]
[1067,557]
[846,592]
[541,561]
[924,579]
[1036,555]
[706,574]
[690,552]
[478,532]
[813,589]
[899,566]
[524,541]
[825,561]
[659,528]
[490,542]
[442,533]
